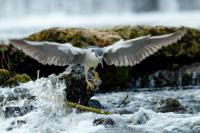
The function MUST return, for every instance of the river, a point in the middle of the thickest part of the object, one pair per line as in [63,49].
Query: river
[38,106]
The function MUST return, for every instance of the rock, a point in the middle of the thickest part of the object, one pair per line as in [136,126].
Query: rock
[107,122]
[169,105]
[184,76]
[4,76]
[6,79]
[18,78]
[14,111]
[184,52]
[1,98]
[79,37]
[123,111]
[76,87]
[95,104]
[15,94]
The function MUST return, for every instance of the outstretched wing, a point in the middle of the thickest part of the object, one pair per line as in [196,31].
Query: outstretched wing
[132,52]
[50,53]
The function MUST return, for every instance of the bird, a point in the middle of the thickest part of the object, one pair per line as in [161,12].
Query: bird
[121,53]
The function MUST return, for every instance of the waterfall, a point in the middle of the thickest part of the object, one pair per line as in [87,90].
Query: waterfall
[22,8]
[168,5]
[30,16]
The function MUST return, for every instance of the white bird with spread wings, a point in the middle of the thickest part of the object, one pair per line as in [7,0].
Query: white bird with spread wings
[121,53]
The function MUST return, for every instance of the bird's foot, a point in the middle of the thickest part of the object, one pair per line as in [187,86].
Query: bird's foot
[90,85]
[96,76]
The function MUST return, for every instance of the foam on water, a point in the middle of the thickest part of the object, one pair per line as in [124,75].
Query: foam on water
[52,116]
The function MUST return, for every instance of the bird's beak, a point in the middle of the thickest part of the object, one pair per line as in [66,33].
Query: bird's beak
[101,61]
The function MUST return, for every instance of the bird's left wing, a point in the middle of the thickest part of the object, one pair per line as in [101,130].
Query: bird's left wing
[49,52]
[132,52]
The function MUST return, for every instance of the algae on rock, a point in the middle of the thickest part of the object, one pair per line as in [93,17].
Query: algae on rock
[18,78]
[6,79]
[184,52]
[4,76]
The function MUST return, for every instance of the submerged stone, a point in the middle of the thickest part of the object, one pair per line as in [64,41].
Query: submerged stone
[107,122]
[14,111]
[169,105]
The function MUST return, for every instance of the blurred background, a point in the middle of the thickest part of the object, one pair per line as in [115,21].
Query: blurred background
[19,18]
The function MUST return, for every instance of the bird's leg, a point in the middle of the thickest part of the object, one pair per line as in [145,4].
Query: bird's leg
[96,75]
[89,84]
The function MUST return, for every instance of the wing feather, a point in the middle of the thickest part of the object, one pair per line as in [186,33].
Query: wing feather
[50,53]
[132,52]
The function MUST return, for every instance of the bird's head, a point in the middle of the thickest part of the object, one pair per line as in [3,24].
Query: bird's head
[99,54]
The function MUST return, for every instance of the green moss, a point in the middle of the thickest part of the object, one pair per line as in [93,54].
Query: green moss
[77,36]
[4,75]
[188,46]
[185,51]
[18,78]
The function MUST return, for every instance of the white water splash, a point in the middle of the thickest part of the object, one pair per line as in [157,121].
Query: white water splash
[50,116]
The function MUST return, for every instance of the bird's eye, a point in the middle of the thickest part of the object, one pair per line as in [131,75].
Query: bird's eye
[93,50]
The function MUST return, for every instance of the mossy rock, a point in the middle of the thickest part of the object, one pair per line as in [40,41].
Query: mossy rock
[184,52]
[18,78]
[77,36]
[4,75]
[169,105]
[188,46]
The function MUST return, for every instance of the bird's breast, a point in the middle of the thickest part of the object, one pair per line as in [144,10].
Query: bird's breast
[91,60]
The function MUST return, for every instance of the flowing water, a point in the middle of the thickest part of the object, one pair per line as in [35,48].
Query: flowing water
[20,18]
[38,106]
[49,114]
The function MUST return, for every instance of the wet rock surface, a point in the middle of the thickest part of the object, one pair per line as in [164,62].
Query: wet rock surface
[163,67]
[13,96]
[76,87]
[107,122]
[182,76]
[16,94]
[169,105]
[14,111]
[95,104]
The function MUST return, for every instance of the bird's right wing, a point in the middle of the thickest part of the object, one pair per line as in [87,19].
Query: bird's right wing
[50,53]
[132,52]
